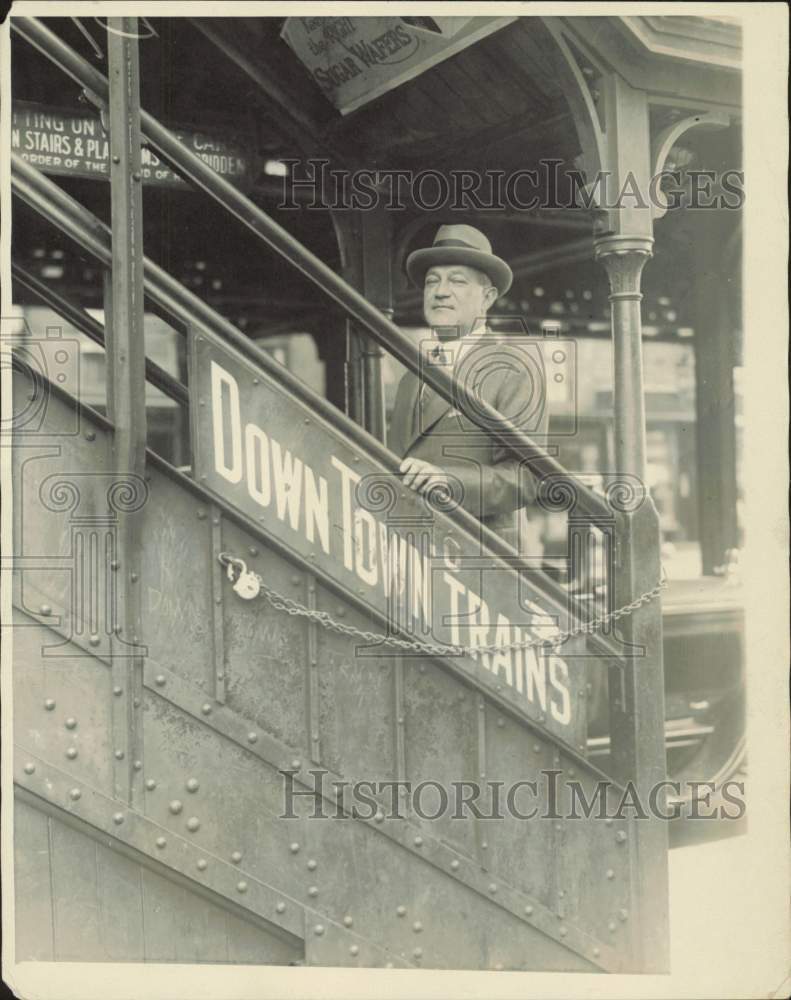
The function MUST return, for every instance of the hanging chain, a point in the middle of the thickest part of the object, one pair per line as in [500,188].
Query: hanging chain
[249,585]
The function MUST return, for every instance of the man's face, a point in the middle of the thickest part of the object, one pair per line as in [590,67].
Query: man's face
[455,296]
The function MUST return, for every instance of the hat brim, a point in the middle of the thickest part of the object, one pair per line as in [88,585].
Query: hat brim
[419,261]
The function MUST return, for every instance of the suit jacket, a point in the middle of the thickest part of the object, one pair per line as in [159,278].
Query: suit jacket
[495,483]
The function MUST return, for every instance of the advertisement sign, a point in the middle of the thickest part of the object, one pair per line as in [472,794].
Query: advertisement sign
[355,59]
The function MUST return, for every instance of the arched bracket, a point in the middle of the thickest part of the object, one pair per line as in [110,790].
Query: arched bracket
[669,136]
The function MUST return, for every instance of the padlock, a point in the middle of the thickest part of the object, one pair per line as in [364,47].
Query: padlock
[247,586]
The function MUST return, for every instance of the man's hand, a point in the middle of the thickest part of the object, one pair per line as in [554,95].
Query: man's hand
[422,476]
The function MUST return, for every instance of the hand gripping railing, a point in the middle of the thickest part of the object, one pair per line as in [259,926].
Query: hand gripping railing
[384,332]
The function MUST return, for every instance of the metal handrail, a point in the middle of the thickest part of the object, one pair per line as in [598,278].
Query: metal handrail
[382,330]
[86,324]
[184,307]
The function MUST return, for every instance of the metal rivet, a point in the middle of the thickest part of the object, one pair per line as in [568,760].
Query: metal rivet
[118,691]
[563,932]
[136,177]
[218,600]
[596,952]
[136,702]
[558,827]
[114,565]
[71,753]
[418,841]
[94,639]
[347,921]
[30,768]
[312,865]
[281,907]
[70,723]
[418,952]
[201,515]
[159,680]
[294,848]
[45,609]
[118,818]
[192,785]
[74,794]
[215,520]
[623,914]
[151,784]
[454,864]
[49,704]
[206,709]
[160,842]
[484,845]
[400,911]
[620,836]
[201,864]
[492,888]
[119,755]
[313,891]
[236,857]
[138,765]
[220,676]
[608,821]
[90,435]
[611,927]
[562,893]
[175,807]
[252,737]
[537,747]
[318,930]
[378,816]
[296,764]
[295,580]
[241,887]
[354,949]
[610,873]
[400,720]
[193,824]
[529,910]
[417,927]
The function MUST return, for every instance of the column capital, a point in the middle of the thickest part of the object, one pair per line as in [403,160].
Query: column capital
[624,258]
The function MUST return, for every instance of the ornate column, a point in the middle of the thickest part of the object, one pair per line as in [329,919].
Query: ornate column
[624,258]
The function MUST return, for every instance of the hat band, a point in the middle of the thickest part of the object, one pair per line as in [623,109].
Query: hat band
[457,243]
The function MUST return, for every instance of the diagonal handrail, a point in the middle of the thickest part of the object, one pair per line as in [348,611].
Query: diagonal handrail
[382,330]
[188,310]
[85,323]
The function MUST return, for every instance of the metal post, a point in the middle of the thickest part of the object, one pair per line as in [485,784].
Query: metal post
[636,692]
[126,378]
[378,289]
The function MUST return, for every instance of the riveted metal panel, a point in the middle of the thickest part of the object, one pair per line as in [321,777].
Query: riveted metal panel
[176,580]
[62,707]
[265,650]
[356,698]
[440,720]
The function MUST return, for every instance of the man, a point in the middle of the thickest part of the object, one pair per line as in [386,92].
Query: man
[462,279]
